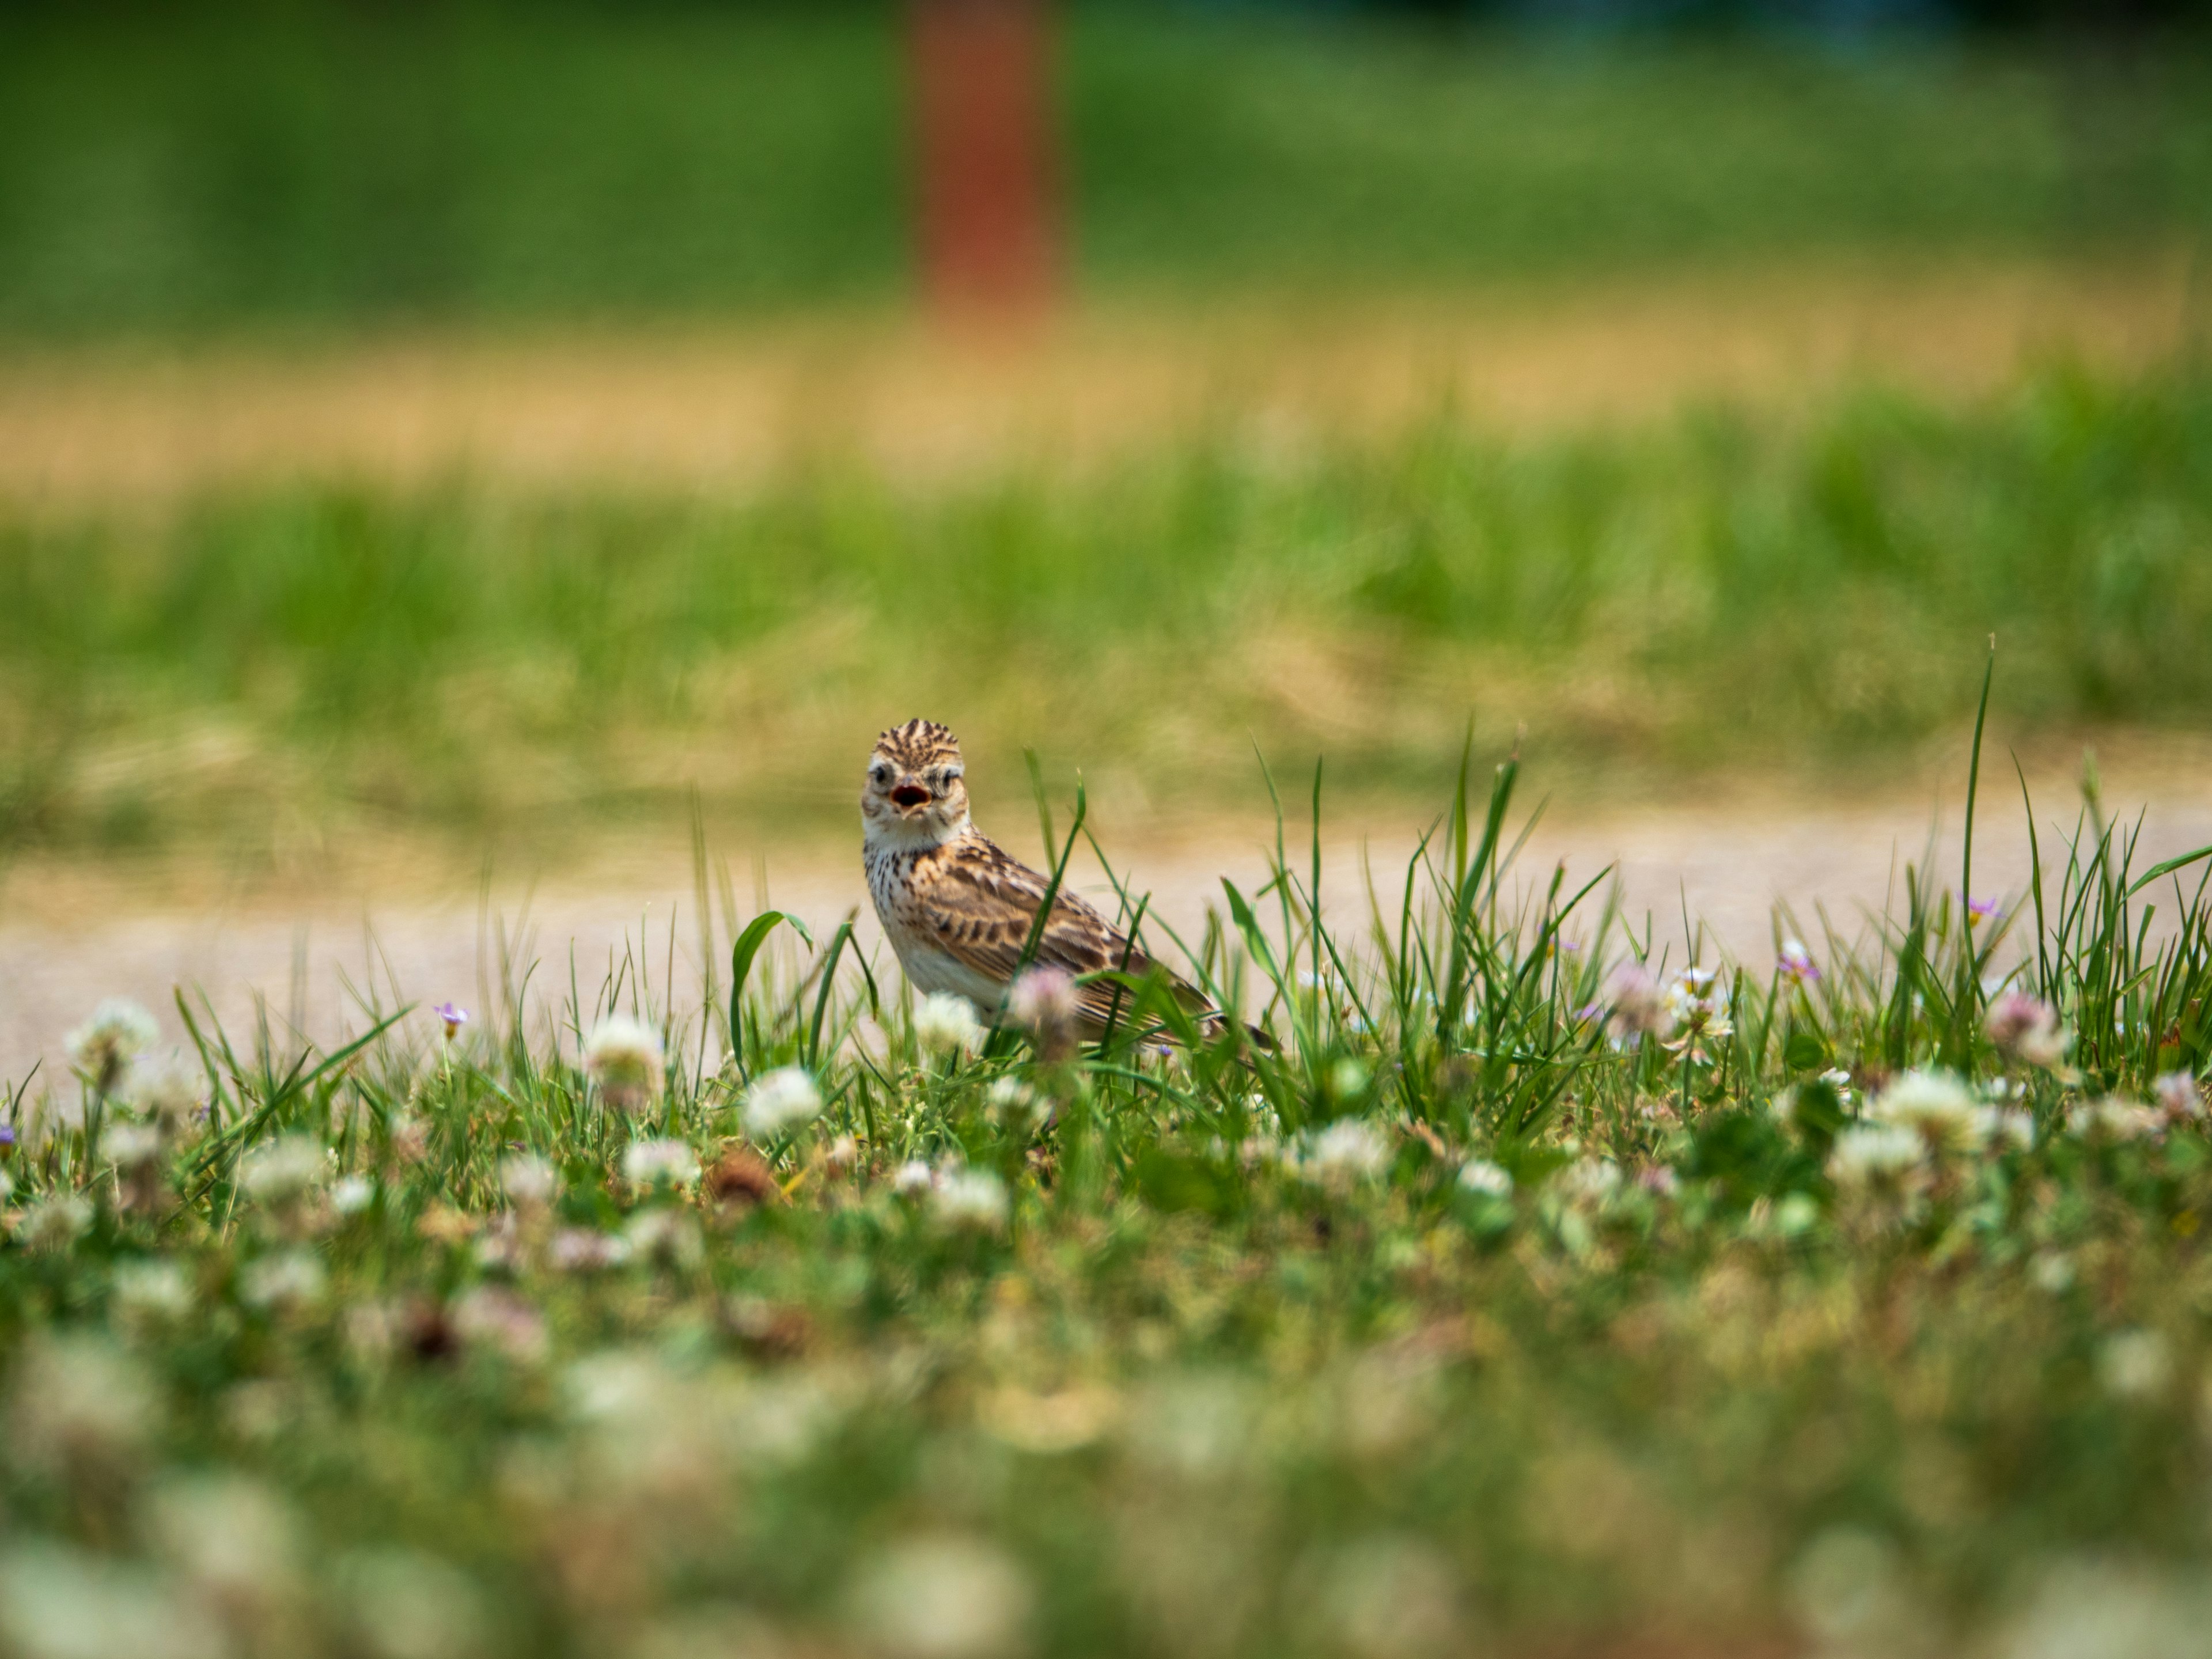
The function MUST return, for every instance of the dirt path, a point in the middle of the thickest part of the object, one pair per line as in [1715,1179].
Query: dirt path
[720,407]
[307,960]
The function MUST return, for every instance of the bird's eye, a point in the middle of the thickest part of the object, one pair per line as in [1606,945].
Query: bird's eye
[880,773]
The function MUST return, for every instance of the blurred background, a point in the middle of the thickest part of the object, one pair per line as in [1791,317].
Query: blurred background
[438,438]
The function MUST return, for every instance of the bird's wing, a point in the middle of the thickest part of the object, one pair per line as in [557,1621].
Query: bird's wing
[980,908]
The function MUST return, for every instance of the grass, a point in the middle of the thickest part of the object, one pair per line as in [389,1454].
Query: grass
[324,167]
[1498,1303]
[1714,592]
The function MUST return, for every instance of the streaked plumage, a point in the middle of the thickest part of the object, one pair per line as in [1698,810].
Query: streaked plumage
[956,908]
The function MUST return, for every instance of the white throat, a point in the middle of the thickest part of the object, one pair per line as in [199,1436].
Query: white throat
[896,833]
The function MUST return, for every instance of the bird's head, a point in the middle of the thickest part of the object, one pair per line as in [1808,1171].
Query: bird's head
[916,792]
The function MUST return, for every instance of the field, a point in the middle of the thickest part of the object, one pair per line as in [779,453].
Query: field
[464,469]
[1518,1295]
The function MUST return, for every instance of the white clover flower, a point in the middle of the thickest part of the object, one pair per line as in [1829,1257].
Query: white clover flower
[151,1295]
[1934,1106]
[529,1180]
[665,1236]
[490,1318]
[1638,1009]
[2114,1119]
[1350,1150]
[581,1251]
[2135,1364]
[353,1194]
[281,1283]
[1044,1003]
[2180,1097]
[778,1102]
[2002,1127]
[2026,1028]
[103,1048]
[1697,1005]
[167,1093]
[233,1540]
[943,1598]
[661,1163]
[132,1146]
[2053,1272]
[913,1178]
[1869,1152]
[625,1057]
[55,1223]
[967,1198]
[1011,1103]
[1479,1175]
[947,1025]
[282,1170]
[79,1397]
[1587,1181]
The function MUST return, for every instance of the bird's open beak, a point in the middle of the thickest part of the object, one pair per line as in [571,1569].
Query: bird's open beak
[908,796]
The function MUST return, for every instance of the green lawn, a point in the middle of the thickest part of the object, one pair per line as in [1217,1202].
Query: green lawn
[1517,1301]
[1716,592]
[326,167]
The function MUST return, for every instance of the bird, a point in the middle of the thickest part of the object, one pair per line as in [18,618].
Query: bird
[958,910]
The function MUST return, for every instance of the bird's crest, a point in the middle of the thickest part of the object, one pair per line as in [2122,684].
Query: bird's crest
[918,745]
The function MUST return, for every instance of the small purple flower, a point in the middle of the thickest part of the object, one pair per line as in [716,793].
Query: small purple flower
[7,1135]
[1979,910]
[1797,962]
[454,1016]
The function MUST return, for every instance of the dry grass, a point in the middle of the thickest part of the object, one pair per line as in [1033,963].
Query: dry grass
[731,408]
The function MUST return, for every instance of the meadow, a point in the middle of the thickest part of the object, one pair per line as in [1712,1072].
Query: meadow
[1729,590]
[1532,1288]
[317,168]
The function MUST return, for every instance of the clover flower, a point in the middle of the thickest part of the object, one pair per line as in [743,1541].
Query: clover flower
[2025,1028]
[528,1180]
[625,1057]
[1044,1003]
[2180,1097]
[1797,963]
[1933,1105]
[943,1598]
[165,1093]
[1479,1175]
[1348,1150]
[1638,1010]
[2002,1127]
[581,1251]
[284,1170]
[151,1295]
[947,1025]
[2114,1119]
[105,1045]
[647,1163]
[1697,1006]
[353,1194]
[1867,1154]
[490,1318]
[2135,1364]
[54,1224]
[133,1147]
[970,1199]
[281,1283]
[1587,1182]
[913,1178]
[779,1101]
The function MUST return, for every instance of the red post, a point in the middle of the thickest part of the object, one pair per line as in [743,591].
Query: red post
[983,135]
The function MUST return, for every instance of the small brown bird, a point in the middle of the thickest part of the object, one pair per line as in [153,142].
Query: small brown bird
[958,910]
